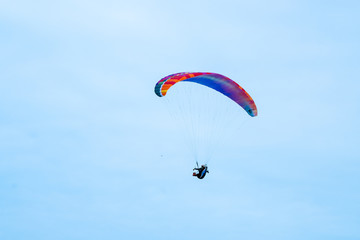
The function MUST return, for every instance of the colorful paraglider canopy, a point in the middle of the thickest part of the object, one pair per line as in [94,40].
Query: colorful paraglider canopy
[215,81]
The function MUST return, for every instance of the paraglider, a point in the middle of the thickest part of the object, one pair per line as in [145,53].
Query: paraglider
[201,171]
[217,82]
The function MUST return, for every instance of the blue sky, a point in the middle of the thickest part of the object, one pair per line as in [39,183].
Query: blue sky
[81,156]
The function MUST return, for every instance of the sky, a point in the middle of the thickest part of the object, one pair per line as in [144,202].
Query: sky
[87,150]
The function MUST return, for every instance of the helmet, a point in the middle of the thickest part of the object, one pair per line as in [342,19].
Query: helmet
[194,174]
